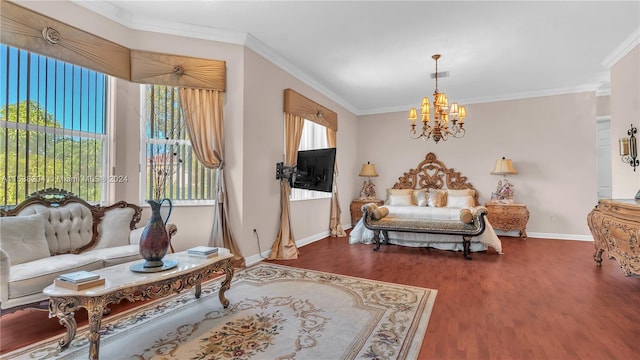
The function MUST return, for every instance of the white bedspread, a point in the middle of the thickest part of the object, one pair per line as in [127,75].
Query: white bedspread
[360,234]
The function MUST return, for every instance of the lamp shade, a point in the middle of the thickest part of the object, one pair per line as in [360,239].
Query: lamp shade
[368,170]
[503,167]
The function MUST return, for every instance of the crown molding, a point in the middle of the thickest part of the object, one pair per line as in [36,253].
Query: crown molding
[490,99]
[623,49]
[108,10]
[208,33]
[263,50]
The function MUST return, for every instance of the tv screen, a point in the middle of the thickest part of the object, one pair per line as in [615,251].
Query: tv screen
[315,169]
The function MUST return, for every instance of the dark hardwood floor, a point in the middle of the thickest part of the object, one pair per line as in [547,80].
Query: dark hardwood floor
[542,299]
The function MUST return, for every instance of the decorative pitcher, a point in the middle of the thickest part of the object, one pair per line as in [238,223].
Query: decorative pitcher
[154,240]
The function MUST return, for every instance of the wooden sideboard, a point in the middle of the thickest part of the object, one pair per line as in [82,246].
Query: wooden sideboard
[615,226]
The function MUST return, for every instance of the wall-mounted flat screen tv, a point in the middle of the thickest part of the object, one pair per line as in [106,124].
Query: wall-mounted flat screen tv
[315,169]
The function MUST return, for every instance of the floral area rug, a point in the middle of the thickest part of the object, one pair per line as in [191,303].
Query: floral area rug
[276,312]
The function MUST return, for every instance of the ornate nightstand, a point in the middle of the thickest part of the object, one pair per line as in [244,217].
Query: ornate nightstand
[356,208]
[508,217]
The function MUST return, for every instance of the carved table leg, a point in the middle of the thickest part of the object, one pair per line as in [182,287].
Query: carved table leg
[198,290]
[64,310]
[95,309]
[226,283]
[69,322]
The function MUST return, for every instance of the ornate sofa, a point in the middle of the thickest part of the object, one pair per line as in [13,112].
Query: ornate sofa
[54,232]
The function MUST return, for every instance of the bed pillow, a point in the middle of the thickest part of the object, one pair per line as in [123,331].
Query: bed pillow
[22,237]
[460,201]
[400,200]
[463,192]
[437,198]
[395,192]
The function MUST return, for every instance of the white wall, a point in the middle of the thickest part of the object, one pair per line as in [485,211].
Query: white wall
[550,139]
[254,138]
[625,110]
[263,139]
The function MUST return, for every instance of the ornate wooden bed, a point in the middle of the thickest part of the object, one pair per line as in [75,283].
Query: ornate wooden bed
[431,231]
[431,173]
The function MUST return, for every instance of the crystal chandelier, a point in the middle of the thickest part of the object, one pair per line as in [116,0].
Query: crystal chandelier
[447,121]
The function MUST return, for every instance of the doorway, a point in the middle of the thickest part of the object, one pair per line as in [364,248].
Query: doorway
[603,157]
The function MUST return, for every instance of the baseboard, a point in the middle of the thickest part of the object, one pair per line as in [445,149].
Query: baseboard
[254,259]
[560,236]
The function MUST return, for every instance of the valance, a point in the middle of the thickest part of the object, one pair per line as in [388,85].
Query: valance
[299,105]
[175,70]
[28,30]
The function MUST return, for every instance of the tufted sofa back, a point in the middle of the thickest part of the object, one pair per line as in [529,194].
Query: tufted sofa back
[69,227]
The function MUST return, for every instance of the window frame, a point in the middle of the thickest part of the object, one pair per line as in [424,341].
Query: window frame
[304,194]
[142,161]
[43,69]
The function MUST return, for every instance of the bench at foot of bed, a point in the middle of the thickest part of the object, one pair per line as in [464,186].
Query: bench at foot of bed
[379,222]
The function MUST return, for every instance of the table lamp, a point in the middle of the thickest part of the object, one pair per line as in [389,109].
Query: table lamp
[368,190]
[504,190]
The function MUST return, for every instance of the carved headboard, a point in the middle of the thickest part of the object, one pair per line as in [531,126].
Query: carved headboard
[431,173]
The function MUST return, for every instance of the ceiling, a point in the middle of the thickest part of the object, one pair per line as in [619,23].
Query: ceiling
[375,56]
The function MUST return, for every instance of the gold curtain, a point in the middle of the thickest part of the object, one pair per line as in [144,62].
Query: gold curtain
[334,223]
[284,247]
[202,111]
[28,30]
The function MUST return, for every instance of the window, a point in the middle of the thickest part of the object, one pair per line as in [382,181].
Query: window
[314,136]
[52,127]
[171,168]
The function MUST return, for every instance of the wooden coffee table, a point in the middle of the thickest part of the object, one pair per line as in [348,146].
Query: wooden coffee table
[122,283]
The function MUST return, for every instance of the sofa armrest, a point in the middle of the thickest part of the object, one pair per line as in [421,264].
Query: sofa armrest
[172,229]
[5,267]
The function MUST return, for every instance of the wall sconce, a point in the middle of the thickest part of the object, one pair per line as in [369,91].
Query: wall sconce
[368,190]
[629,148]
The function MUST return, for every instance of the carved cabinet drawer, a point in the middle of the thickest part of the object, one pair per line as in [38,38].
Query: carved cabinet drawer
[508,217]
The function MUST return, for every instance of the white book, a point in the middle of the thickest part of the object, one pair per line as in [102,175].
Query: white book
[79,276]
[203,256]
[202,250]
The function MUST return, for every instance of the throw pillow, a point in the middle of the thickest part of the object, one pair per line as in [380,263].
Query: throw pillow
[114,229]
[380,212]
[466,216]
[22,237]
[423,198]
[415,195]
[437,198]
